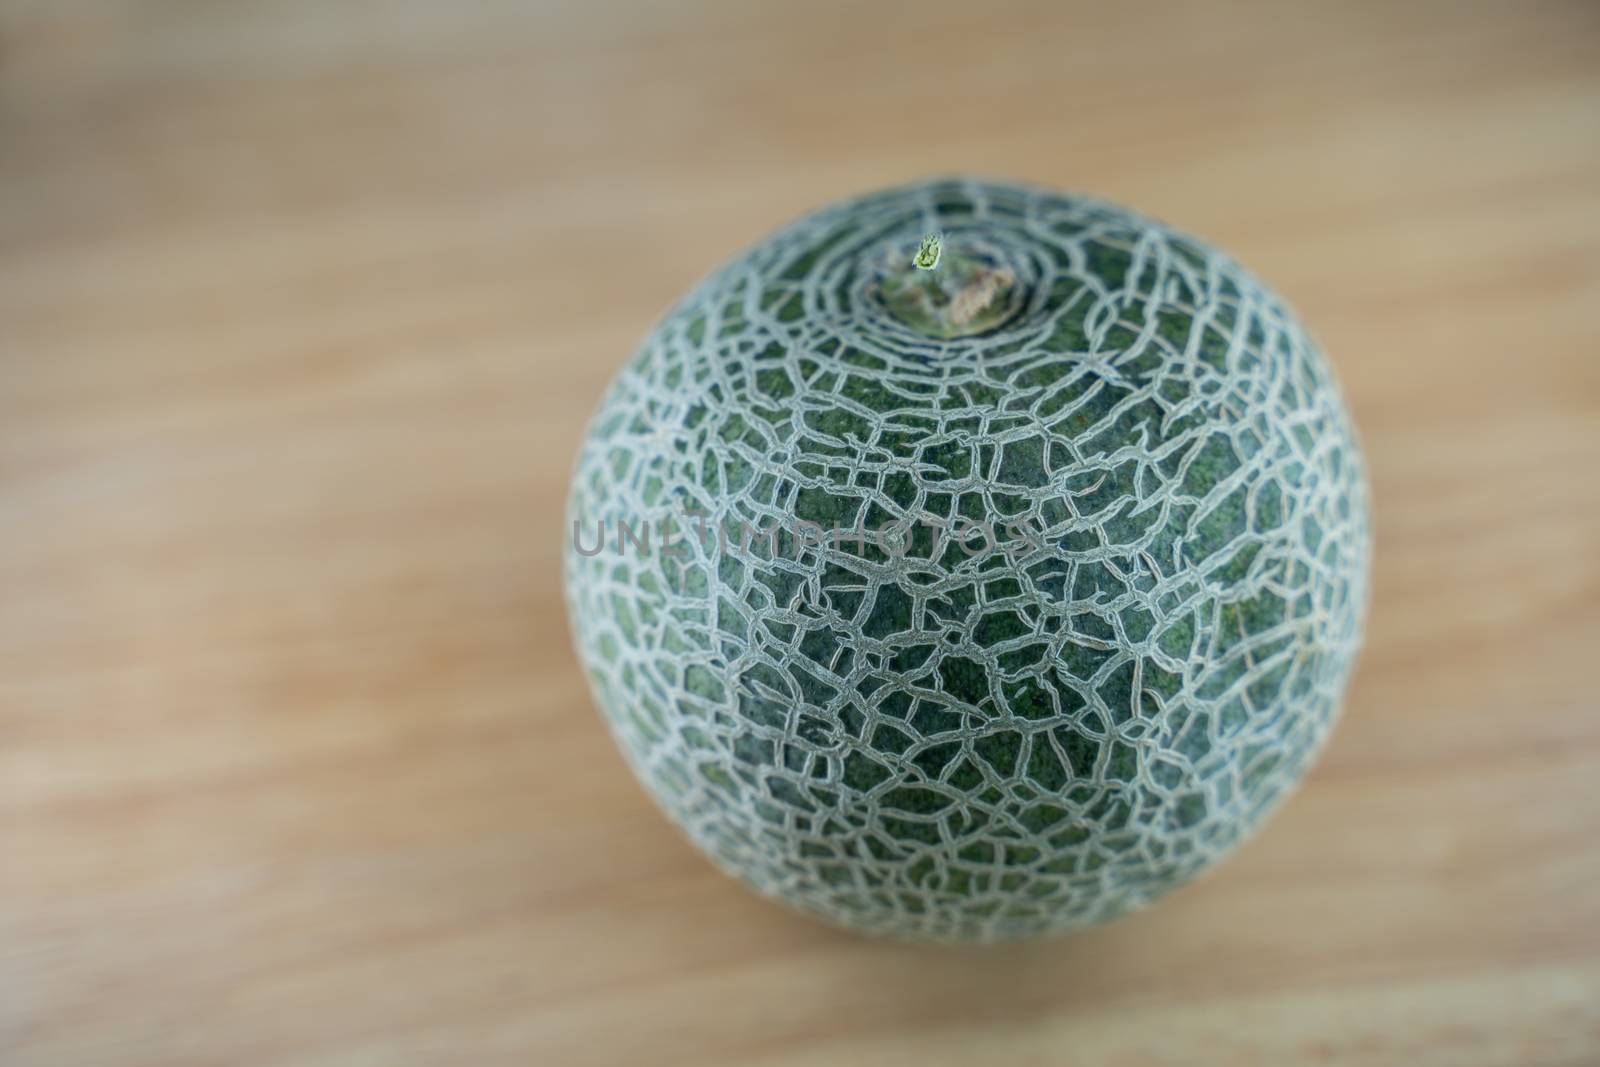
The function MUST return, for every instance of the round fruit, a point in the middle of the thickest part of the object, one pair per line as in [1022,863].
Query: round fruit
[968,561]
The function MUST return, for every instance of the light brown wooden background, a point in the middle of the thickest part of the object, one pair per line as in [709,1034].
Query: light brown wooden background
[302,308]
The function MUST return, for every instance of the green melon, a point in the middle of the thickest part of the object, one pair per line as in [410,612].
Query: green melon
[1010,579]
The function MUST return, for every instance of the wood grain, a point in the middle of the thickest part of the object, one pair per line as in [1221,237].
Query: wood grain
[302,307]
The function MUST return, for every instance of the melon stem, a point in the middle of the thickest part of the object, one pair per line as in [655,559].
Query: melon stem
[945,293]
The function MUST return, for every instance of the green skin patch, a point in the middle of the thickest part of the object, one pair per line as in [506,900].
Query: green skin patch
[941,740]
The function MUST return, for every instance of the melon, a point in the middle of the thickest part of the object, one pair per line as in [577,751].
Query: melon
[969,561]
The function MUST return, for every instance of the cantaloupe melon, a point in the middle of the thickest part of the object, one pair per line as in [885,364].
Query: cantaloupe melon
[1017,558]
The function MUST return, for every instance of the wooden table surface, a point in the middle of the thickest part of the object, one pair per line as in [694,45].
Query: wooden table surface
[302,309]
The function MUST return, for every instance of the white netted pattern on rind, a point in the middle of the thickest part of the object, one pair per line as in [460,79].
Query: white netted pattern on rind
[983,744]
